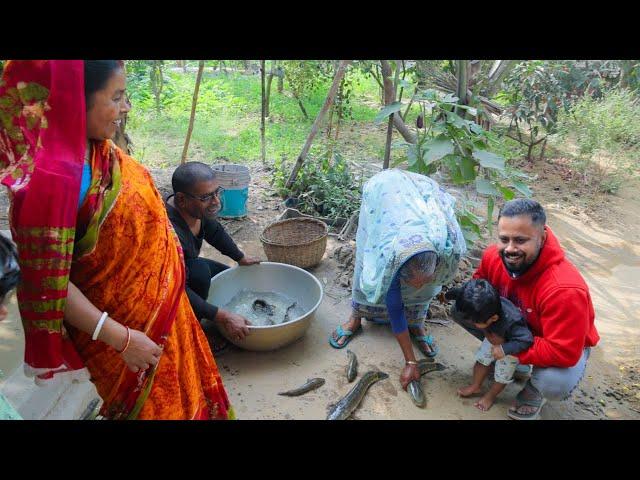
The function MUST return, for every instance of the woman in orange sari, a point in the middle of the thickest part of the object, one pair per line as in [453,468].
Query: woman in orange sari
[103,273]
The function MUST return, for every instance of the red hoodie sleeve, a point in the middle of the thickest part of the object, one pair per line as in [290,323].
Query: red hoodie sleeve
[481,271]
[564,321]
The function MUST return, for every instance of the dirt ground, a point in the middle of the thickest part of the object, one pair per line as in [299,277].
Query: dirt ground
[600,236]
[598,233]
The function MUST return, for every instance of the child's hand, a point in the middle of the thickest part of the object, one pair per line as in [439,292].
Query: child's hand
[493,338]
[497,352]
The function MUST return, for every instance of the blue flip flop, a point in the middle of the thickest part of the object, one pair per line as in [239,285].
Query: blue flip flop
[428,339]
[342,333]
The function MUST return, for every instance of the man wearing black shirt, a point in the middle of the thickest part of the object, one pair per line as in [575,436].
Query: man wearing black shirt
[192,209]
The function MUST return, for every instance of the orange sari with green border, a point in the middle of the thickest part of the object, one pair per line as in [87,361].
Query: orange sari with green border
[128,262]
[119,248]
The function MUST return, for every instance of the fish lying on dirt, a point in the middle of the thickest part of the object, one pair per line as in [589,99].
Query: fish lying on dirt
[417,395]
[415,387]
[311,384]
[352,366]
[349,403]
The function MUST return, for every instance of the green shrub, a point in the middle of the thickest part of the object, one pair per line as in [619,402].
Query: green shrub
[325,186]
[607,135]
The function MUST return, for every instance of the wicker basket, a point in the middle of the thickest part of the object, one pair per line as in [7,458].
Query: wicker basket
[297,241]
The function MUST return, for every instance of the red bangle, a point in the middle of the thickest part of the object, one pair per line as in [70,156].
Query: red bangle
[128,340]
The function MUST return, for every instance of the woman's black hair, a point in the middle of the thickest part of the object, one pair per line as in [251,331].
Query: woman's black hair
[476,300]
[96,76]
[9,269]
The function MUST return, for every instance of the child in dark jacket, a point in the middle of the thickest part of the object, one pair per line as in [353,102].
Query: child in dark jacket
[9,278]
[503,331]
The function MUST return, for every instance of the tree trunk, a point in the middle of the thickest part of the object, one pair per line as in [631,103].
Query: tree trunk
[462,74]
[157,82]
[340,110]
[304,112]
[280,79]
[529,152]
[316,125]
[544,145]
[496,74]
[404,75]
[268,92]
[390,98]
[194,103]
[376,78]
[264,109]
[387,147]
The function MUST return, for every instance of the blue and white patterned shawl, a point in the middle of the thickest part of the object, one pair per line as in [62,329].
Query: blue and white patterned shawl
[401,214]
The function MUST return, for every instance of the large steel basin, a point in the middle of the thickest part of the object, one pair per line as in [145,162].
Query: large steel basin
[292,281]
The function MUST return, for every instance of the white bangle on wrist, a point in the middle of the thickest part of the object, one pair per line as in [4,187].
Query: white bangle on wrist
[96,332]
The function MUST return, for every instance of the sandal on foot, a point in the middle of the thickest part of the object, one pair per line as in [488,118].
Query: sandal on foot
[342,333]
[428,339]
[537,402]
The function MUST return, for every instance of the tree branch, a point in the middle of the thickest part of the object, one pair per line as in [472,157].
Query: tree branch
[389,97]
[337,79]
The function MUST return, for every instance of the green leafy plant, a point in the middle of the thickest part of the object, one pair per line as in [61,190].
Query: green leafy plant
[607,134]
[533,94]
[148,86]
[304,77]
[459,149]
[325,186]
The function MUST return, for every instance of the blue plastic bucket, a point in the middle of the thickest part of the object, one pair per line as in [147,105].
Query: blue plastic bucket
[234,203]
[235,180]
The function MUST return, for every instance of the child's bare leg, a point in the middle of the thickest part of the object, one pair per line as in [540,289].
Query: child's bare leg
[480,372]
[487,400]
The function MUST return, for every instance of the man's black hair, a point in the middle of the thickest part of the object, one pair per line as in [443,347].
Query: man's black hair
[190,173]
[524,206]
[96,75]
[9,269]
[476,300]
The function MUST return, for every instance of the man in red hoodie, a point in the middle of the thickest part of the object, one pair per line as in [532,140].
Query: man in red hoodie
[528,266]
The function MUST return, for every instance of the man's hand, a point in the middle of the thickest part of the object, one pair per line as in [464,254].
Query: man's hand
[409,373]
[235,325]
[497,352]
[244,261]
